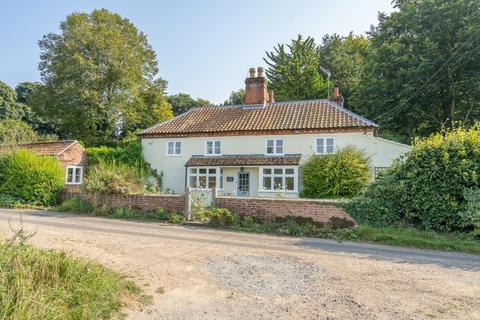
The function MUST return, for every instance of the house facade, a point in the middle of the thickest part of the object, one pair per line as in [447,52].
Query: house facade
[257,149]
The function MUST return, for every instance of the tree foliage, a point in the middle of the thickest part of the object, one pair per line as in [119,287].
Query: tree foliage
[344,57]
[423,72]
[9,106]
[293,71]
[236,97]
[13,132]
[430,188]
[97,77]
[183,102]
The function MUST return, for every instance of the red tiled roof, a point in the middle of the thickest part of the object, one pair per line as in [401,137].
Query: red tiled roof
[233,160]
[291,115]
[52,148]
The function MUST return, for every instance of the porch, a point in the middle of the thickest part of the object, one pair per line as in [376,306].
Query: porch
[245,175]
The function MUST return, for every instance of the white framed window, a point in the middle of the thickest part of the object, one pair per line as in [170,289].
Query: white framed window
[205,177]
[174,148]
[278,179]
[213,147]
[274,146]
[74,175]
[325,145]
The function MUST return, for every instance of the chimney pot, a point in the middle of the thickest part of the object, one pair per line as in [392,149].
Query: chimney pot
[252,72]
[261,72]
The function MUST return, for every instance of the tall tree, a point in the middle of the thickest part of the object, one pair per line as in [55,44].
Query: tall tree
[9,107]
[344,57]
[95,73]
[236,97]
[183,102]
[423,74]
[293,71]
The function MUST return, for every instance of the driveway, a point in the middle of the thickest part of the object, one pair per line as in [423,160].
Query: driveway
[199,273]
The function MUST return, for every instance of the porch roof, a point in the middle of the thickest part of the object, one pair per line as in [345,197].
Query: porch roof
[234,160]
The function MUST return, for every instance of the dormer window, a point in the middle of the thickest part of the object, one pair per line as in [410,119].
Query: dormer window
[213,148]
[274,146]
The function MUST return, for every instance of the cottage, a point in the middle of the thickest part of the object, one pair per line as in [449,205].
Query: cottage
[256,149]
[71,155]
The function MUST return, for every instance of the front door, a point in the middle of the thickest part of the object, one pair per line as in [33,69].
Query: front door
[243,184]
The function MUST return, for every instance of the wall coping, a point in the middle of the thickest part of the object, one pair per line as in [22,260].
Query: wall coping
[324,201]
[153,195]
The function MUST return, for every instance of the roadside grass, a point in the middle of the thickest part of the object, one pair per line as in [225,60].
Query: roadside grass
[299,227]
[409,237]
[49,284]
[402,237]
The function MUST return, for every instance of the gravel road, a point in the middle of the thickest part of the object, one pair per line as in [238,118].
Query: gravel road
[198,273]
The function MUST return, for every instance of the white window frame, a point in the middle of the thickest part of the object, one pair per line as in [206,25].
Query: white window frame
[325,145]
[174,154]
[218,175]
[74,169]
[213,148]
[275,146]
[283,175]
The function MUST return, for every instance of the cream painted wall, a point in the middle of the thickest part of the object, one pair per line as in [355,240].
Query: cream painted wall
[381,151]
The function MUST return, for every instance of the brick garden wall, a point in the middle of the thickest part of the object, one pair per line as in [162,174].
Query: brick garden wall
[318,210]
[171,203]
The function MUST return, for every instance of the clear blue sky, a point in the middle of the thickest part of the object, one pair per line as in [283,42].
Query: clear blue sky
[204,48]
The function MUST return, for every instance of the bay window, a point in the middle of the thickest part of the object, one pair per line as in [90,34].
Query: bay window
[278,179]
[205,177]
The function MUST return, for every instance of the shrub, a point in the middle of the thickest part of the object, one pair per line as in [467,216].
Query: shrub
[343,174]
[48,284]
[171,217]
[76,206]
[8,201]
[127,154]
[221,217]
[114,178]
[36,179]
[429,189]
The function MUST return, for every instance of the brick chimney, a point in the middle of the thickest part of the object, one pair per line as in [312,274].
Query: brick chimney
[336,96]
[256,87]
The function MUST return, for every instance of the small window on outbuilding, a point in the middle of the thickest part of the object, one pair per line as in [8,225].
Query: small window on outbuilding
[74,175]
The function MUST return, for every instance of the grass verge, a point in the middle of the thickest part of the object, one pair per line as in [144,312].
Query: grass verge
[49,284]
[301,227]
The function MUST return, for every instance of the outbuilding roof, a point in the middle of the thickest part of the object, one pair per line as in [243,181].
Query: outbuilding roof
[50,148]
[244,119]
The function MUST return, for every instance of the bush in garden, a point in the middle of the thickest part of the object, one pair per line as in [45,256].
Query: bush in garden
[221,217]
[127,153]
[342,174]
[114,178]
[433,188]
[36,179]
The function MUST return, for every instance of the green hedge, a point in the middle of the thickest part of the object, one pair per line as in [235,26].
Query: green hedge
[343,174]
[430,189]
[36,179]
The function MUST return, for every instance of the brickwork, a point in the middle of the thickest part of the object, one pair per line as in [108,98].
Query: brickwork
[171,203]
[318,210]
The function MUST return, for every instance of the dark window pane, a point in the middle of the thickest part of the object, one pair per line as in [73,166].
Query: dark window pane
[289,183]
[267,183]
[277,182]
